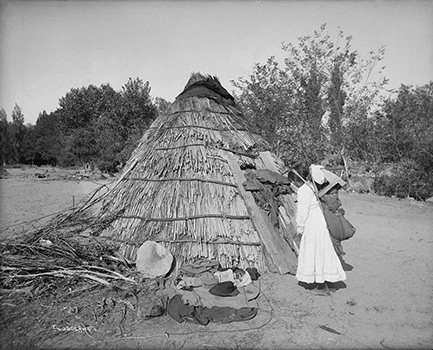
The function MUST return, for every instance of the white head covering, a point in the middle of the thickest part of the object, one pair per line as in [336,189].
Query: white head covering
[317,174]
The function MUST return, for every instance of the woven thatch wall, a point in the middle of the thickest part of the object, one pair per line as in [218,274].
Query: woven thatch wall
[178,188]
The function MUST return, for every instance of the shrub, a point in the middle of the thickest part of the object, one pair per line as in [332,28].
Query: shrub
[107,166]
[403,179]
[66,159]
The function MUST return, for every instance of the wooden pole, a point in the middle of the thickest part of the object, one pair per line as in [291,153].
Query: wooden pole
[278,249]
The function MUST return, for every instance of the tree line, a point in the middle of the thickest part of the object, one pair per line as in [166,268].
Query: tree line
[92,125]
[324,102]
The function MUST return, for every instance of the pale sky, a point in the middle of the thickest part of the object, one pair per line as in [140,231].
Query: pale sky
[49,47]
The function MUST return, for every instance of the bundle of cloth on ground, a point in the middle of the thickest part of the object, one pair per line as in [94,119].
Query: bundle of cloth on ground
[204,292]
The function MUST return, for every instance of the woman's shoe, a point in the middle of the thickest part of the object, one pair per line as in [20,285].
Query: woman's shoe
[320,291]
[330,287]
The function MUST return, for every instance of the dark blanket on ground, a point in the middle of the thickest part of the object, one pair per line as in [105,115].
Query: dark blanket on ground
[182,312]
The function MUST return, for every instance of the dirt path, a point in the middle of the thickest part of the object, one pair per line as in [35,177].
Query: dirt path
[387,302]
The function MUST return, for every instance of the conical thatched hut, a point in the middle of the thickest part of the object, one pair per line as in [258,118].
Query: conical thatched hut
[182,186]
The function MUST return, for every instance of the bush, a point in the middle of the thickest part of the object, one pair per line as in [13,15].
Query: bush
[404,179]
[107,166]
[66,159]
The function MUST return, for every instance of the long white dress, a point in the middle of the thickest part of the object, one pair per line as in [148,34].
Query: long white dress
[317,260]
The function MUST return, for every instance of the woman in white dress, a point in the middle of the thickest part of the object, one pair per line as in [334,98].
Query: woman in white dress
[318,262]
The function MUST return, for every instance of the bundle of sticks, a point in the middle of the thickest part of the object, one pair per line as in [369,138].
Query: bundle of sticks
[44,258]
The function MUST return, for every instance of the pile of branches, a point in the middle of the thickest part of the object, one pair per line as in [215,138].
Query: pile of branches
[64,253]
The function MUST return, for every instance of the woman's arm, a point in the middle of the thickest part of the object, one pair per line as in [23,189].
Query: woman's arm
[304,200]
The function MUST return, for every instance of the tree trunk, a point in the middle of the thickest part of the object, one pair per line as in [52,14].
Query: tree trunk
[346,167]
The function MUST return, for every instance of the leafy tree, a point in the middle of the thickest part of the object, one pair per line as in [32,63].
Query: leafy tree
[136,114]
[264,96]
[364,99]
[28,154]
[17,132]
[406,127]
[5,150]
[95,125]
[292,109]
[109,141]
[100,125]
[48,139]
[161,105]
[77,109]
[336,100]
[3,115]
[17,115]
[78,118]
[137,108]
[321,94]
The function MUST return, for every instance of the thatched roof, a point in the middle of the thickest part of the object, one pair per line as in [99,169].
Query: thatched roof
[206,86]
[179,189]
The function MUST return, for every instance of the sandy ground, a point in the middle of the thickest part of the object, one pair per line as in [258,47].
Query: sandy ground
[387,302]
[25,197]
